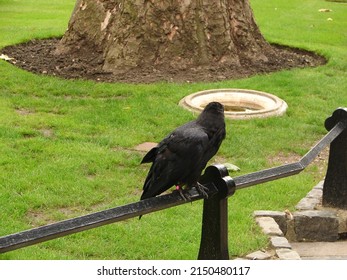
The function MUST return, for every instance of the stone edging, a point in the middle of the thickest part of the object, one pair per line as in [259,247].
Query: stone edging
[311,222]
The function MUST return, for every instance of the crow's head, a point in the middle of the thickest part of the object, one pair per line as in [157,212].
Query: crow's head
[212,116]
[214,108]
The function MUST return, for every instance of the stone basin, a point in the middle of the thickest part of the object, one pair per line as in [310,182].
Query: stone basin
[238,103]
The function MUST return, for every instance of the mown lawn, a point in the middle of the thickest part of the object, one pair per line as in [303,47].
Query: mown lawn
[66,147]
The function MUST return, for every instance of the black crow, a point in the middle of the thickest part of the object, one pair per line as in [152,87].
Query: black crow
[182,155]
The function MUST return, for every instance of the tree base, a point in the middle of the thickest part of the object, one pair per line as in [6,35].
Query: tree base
[38,56]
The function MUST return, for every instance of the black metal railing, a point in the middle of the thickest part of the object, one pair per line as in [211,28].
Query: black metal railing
[214,237]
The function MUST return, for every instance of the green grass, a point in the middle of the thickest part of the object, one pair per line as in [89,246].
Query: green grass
[66,146]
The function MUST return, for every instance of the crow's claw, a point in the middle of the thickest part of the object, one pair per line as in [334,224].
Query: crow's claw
[202,190]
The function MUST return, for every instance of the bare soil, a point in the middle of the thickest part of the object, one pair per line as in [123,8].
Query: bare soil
[38,56]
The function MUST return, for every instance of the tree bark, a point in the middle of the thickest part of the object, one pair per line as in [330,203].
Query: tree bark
[181,34]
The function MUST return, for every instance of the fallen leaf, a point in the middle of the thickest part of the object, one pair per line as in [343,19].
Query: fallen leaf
[325,10]
[231,167]
[5,57]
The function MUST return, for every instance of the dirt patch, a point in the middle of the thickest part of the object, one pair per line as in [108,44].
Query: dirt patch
[145,147]
[284,158]
[38,56]
[24,112]
[320,162]
[47,132]
[45,216]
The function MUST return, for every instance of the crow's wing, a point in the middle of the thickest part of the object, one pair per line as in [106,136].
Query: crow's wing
[175,159]
[150,156]
[178,132]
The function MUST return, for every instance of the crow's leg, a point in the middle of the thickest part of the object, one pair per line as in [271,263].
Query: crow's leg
[180,191]
[201,189]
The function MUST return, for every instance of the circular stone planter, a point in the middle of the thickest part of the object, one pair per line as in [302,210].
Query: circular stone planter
[238,103]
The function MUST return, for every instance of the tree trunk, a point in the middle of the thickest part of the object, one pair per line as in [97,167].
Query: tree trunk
[151,34]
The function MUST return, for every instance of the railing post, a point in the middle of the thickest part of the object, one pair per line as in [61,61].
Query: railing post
[214,234]
[335,184]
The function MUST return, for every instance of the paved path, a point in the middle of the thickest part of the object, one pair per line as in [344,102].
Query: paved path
[321,250]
